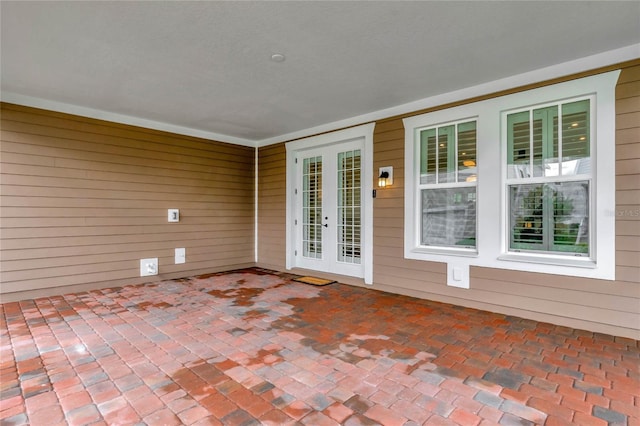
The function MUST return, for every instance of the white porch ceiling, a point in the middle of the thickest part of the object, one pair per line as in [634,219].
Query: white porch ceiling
[204,68]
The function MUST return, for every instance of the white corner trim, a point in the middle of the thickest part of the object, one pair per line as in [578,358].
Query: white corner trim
[30,101]
[256,188]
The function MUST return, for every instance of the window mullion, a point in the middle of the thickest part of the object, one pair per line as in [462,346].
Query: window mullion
[547,216]
[531,143]
[547,143]
[547,197]
[417,198]
[437,157]
[453,156]
[560,130]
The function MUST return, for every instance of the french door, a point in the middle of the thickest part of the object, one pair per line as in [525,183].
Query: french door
[328,209]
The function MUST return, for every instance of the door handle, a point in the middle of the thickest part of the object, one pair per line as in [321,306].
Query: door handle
[325,225]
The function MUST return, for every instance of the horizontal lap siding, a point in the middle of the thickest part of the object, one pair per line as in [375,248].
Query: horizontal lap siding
[605,306]
[272,206]
[84,200]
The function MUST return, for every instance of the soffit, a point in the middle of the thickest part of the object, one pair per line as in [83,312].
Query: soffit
[206,66]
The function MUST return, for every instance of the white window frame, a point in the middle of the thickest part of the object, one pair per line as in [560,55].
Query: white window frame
[492,239]
[563,257]
[462,251]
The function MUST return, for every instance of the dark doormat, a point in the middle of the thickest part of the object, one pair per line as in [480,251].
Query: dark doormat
[314,281]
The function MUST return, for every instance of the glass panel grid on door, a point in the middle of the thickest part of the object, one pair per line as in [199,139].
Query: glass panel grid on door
[349,211]
[312,207]
[328,209]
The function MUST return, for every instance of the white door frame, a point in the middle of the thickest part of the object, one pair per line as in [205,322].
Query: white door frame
[364,132]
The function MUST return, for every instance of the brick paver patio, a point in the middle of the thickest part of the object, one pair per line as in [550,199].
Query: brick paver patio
[251,347]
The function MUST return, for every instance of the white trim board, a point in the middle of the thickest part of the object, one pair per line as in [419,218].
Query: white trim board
[599,60]
[30,101]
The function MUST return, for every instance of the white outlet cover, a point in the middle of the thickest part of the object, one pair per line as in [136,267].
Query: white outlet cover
[458,275]
[148,267]
[173,215]
[181,255]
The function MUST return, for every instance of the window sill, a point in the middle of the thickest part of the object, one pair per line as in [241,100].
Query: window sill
[424,253]
[582,262]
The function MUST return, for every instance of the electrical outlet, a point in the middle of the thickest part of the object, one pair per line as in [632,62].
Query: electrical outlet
[173,215]
[148,267]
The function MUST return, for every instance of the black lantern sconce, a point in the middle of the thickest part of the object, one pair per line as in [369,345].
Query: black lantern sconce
[385,177]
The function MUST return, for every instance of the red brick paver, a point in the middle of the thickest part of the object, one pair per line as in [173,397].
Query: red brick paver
[253,347]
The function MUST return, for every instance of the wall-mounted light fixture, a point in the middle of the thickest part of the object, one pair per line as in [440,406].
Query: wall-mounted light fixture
[385,177]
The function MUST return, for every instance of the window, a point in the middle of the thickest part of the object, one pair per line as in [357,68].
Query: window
[524,181]
[549,178]
[447,185]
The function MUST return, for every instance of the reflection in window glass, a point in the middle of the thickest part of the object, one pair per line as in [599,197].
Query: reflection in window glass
[446,151]
[518,145]
[449,217]
[576,138]
[552,217]
[428,156]
[448,154]
[539,145]
[467,155]
[545,141]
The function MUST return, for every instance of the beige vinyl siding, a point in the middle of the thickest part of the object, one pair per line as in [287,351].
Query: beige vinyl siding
[84,200]
[628,180]
[272,206]
[597,305]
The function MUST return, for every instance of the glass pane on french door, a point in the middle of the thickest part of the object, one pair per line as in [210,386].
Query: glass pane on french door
[349,212]
[312,207]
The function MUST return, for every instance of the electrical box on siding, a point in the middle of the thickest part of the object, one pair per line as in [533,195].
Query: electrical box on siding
[180,255]
[148,267]
[458,275]
[173,215]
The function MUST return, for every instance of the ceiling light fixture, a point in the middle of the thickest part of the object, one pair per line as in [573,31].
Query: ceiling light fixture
[277,57]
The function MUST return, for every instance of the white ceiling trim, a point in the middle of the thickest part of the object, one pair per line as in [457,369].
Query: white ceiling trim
[567,68]
[16,98]
[555,71]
